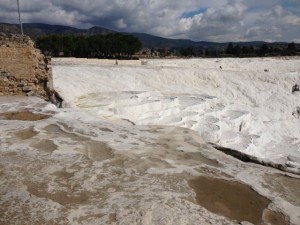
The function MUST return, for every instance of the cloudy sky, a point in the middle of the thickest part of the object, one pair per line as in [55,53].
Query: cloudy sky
[209,20]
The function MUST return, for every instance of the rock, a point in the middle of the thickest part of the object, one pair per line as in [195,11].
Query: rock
[4,73]
[21,84]
[31,93]
[296,113]
[34,80]
[11,78]
[296,87]
[245,223]
[27,89]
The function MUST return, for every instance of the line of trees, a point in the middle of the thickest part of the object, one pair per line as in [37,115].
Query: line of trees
[263,50]
[119,46]
[236,50]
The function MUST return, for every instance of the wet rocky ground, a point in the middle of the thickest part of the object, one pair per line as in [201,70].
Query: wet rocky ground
[62,166]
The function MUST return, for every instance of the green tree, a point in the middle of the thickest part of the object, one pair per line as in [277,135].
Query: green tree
[229,49]
[236,50]
[245,50]
[264,49]
[291,49]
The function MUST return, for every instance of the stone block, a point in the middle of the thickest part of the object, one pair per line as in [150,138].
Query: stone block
[31,93]
[27,89]
[21,84]
[3,79]
[4,73]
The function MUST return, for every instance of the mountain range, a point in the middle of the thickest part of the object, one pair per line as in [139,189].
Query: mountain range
[35,30]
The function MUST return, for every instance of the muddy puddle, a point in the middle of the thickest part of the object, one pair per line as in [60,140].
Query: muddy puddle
[23,115]
[98,151]
[61,197]
[26,133]
[275,218]
[287,187]
[45,145]
[230,199]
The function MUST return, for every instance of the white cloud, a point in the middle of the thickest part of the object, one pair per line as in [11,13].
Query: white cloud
[276,23]
[226,20]
[121,24]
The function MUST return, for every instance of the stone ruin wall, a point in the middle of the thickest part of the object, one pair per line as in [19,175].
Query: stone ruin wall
[24,70]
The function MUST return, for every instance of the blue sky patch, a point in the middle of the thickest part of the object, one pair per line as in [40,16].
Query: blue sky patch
[193,13]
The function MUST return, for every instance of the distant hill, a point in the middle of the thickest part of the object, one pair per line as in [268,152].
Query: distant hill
[151,41]
[35,30]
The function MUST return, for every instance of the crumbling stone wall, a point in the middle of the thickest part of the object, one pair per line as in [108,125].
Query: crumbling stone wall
[23,69]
